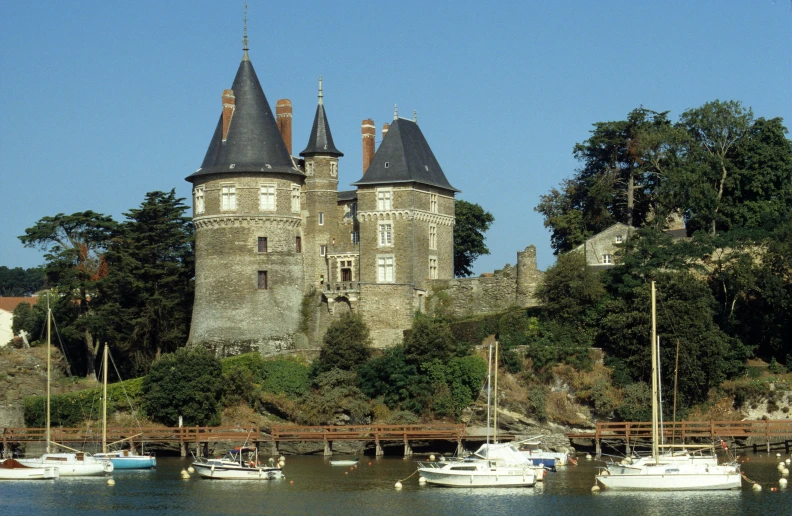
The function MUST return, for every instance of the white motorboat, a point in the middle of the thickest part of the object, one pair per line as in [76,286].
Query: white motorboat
[532,449]
[492,465]
[237,466]
[11,469]
[345,462]
[667,471]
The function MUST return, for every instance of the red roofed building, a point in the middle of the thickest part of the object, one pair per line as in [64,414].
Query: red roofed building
[7,306]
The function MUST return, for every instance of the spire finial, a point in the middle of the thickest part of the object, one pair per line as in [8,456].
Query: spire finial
[245,56]
[320,90]
[415,116]
[395,112]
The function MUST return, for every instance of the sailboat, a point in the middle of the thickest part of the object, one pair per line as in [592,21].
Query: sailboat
[121,459]
[667,471]
[76,464]
[492,465]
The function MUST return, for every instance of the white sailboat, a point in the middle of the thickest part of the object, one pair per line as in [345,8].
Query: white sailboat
[68,464]
[235,466]
[121,459]
[492,465]
[11,469]
[668,471]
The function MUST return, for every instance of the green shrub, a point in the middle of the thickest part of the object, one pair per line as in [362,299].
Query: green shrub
[346,345]
[776,368]
[239,385]
[286,377]
[253,362]
[536,405]
[636,403]
[186,383]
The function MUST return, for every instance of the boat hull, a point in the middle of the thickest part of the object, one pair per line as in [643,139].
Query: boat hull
[214,472]
[513,478]
[670,482]
[19,471]
[134,462]
[68,466]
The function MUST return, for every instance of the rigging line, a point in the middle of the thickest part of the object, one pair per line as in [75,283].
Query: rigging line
[126,394]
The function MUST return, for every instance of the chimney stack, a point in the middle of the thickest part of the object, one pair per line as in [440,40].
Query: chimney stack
[369,131]
[283,116]
[385,128]
[229,101]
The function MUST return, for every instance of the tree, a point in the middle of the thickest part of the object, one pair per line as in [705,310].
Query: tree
[472,221]
[347,344]
[428,339]
[186,383]
[19,282]
[75,246]
[716,128]
[145,300]
[570,288]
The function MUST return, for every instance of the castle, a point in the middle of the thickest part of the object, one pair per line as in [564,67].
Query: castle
[280,251]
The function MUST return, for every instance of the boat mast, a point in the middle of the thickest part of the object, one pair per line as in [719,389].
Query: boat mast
[495,398]
[653,346]
[104,401]
[489,388]
[49,367]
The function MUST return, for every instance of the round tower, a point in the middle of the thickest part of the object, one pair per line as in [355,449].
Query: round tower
[248,229]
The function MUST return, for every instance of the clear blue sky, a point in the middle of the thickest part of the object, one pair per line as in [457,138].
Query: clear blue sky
[101,102]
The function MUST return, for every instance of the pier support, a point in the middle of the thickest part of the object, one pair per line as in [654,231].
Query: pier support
[598,449]
[328,448]
[407,449]
[460,448]
[378,451]
[183,449]
[627,448]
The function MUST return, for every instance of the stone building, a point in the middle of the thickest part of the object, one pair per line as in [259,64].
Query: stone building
[601,249]
[277,242]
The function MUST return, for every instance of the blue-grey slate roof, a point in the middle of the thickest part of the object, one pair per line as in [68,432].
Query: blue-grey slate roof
[347,195]
[253,143]
[321,140]
[404,156]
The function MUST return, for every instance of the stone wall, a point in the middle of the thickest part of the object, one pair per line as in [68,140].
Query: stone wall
[488,293]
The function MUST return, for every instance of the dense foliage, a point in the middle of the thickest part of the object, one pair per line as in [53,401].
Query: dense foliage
[187,383]
[472,221]
[347,344]
[19,282]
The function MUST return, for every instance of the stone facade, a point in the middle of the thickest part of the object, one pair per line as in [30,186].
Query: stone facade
[488,293]
[601,249]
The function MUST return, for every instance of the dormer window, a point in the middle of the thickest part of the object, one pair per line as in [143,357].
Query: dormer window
[619,239]
[387,164]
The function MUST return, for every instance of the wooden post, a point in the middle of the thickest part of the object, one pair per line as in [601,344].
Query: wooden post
[182,444]
[5,443]
[197,442]
[328,448]
[598,448]
[407,449]
[378,451]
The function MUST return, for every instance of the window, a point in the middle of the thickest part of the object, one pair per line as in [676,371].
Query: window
[295,198]
[383,200]
[432,237]
[309,168]
[432,268]
[199,200]
[355,237]
[299,245]
[385,235]
[267,198]
[321,218]
[345,270]
[607,258]
[385,269]
[619,239]
[433,202]
[262,244]
[262,280]
[333,169]
[322,250]
[228,197]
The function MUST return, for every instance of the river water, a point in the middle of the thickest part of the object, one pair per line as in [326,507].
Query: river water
[313,486]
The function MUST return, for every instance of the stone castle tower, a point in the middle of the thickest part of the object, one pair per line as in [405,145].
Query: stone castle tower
[273,230]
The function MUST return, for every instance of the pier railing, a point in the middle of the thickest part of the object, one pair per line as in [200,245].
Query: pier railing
[766,428]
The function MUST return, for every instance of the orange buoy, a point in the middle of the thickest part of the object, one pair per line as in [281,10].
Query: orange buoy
[291,481]
[369,464]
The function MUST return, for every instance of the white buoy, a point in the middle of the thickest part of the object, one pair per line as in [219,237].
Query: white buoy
[422,480]
[595,489]
[588,456]
[756,487]
[785,471]
[191,470]
[432,457]
[778,454]
[281,459]
[782,482]
[781,466]
[184,474]
[788,461]
[398,485]
[282,463]
[110,481]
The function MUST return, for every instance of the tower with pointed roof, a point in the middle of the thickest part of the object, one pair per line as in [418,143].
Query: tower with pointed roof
[247,197]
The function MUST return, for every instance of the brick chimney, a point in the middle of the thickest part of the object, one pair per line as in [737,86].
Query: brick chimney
[283,116]
[385,128]
[369,131]
[229,101]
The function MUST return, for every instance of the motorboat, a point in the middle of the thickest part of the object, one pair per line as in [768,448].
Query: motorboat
[345,462]
[238,464]
[492,465]
[11,469]
[536,455]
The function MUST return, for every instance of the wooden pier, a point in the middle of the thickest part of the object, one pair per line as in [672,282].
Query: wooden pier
[762,429]
[201,436]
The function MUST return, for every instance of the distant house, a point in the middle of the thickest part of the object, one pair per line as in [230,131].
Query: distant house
[600,250]
[7,306]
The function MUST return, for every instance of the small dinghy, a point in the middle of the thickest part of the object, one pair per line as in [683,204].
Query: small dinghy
[345,462]
[11,469]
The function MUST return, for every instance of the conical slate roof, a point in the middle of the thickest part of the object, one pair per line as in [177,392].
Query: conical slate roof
[321,140]
[253,143]
[404,156]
